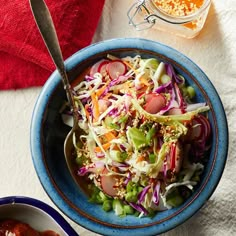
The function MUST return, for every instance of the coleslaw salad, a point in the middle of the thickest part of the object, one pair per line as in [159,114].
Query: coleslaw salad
[144,140]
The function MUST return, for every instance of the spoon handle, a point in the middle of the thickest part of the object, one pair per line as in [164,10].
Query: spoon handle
[46,27]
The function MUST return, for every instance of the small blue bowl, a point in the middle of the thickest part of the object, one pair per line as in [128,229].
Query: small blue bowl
[48,133]
[35,213]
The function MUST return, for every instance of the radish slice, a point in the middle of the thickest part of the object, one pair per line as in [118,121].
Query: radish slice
[173,161]
[95,68]
[195,132]
[149,96]
[102,66]
[108,182]
[200,129]
[175,111]
[116,68]
[154,103]
[206,126]
[176,157]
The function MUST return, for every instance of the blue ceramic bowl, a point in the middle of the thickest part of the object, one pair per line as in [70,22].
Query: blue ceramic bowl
[37,214]
[48,134]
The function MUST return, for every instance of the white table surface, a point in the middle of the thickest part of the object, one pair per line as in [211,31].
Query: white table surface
[214,50]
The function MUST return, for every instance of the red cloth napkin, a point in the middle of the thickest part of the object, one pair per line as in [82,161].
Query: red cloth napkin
[24,59]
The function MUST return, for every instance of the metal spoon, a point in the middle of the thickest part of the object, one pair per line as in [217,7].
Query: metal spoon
[46,27]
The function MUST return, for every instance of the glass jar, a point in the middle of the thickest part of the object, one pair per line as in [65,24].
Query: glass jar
[147,13]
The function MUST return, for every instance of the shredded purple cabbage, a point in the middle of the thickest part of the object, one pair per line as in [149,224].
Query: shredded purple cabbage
[170,71]
[92,168]
[122,147]
[143,193]
[82,171]
[165,87]
[156,191]
[127,179]
[171,104]
[139,207]
[100,154]
[88,78]
[113,112]
[179,98]
[114,82]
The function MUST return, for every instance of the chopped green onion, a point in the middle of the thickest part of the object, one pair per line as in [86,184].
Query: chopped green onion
[131,196]
[137,137]
[107,205]
[114,126]
[150,135]
[131,186]
[128,210]
[165,79]
[123,119]
[118,156]
[191,92]
[152,158]
[118,207]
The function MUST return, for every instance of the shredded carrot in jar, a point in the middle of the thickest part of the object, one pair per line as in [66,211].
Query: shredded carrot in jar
[179,7]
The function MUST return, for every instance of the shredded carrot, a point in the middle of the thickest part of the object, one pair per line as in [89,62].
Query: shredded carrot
[95,106]
[107,96]
[116,148]
[130,66]
[140,158]
[104,146]
[144,81]
[109,136]
[100,91]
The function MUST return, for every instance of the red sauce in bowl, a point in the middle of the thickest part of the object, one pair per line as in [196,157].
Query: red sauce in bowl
[18,228]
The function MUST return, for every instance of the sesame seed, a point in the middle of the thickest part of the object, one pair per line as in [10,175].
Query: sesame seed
[177,7]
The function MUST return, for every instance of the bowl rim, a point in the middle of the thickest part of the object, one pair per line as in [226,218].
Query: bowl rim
[23,200]
[52,83]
